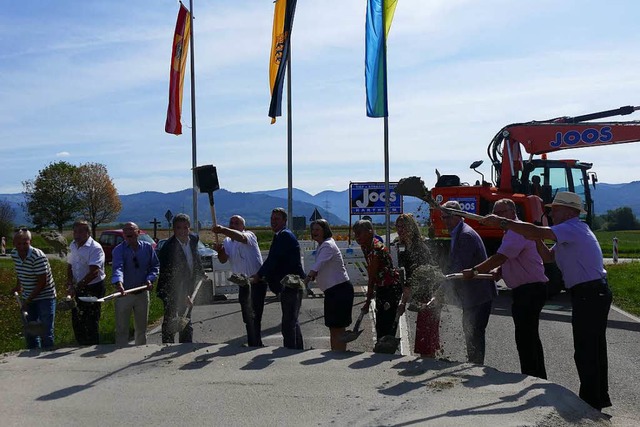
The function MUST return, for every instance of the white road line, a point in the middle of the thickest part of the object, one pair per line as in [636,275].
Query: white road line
[405,347]
[629,315]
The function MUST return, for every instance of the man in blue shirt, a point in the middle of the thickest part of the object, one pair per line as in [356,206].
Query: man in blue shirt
[135,264]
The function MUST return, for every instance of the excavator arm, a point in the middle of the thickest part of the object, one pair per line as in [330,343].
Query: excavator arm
[562,133]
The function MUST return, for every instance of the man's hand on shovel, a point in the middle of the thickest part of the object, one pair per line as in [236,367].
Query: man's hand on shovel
[120,287]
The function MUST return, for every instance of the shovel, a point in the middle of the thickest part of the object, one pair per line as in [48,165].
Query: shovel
[388,344]
[66,304]
[112,296]
[33,328]
[353,335]
[178,324]
[480,276]
[414,186]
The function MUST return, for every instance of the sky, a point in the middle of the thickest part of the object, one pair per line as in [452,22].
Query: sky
[88,82]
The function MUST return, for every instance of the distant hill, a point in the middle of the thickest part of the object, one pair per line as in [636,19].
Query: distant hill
[256,206]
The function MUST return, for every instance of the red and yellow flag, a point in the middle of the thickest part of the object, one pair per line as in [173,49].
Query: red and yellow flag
[176,74]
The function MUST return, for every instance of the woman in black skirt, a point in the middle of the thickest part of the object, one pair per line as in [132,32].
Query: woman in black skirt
[330,275]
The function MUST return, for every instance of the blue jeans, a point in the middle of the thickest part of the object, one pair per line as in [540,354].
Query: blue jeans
[43,311]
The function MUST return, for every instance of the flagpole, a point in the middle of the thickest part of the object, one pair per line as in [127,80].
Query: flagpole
[289,142]
[387,217]
[194,161]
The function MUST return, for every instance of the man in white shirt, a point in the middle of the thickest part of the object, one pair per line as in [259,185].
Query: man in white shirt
[85,277]
[241,249]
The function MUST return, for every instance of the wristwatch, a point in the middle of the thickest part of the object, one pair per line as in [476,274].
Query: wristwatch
[503,224]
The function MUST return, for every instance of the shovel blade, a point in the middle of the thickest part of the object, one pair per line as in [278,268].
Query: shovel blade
[349,336]
[35,329]
[89,299]
[387,345]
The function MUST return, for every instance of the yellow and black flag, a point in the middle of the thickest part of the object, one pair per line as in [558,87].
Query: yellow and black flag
[282,25]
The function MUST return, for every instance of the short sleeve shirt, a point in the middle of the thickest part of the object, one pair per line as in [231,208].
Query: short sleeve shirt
[577,253]
[523,264]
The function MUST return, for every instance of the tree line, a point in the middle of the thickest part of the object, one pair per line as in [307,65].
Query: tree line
[62,192]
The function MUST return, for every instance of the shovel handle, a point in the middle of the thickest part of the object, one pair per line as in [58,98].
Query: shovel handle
[356,326]
[480,276]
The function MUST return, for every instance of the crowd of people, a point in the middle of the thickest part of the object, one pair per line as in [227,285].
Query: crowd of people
[392,289]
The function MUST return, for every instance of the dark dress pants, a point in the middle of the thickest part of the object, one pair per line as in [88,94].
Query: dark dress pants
[591,303]
[527,304]
[387,300]
[85,317]
[474,324]
[290,301]
[252,305]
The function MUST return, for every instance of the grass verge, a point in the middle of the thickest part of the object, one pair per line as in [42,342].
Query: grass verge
[11,324]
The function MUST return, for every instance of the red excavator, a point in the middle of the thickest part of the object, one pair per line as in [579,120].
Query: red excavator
[533,182]
[530,183]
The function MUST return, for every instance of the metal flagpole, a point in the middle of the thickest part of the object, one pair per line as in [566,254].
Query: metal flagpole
[386,180]
[386,134]
[194,162]
[289,142]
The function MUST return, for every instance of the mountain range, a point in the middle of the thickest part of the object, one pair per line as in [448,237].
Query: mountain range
[256,206]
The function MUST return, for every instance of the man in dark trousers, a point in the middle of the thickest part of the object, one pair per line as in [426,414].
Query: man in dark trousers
[284,259]
[474,297]
[85,277]
[518,263]
[180,270]
[579,258]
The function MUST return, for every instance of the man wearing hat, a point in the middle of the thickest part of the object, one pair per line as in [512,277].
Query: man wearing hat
[579,258]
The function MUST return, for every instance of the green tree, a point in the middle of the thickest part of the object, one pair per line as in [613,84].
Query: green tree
[7,215]
[621,219]
[99,197]
[52,198]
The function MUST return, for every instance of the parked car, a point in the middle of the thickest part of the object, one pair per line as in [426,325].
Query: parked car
[206,253]
[109,239]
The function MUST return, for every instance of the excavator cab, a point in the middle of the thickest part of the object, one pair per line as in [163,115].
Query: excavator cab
[545,178]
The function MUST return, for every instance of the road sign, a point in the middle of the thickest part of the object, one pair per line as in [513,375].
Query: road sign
[368,198]
[315,215]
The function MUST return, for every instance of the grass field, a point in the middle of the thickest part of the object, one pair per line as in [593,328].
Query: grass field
[11,325]
[628,243]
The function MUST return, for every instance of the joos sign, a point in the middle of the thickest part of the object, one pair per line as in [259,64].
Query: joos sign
[368,198]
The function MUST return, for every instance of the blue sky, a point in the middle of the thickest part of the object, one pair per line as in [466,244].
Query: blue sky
[88,82]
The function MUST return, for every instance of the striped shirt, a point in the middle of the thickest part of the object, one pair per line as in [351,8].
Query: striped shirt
[34,264]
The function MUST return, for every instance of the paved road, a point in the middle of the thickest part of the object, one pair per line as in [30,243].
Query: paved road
[222,323]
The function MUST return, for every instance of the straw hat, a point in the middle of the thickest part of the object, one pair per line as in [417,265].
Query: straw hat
[568,199]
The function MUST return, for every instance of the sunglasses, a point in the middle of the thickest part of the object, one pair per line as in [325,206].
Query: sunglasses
[20,229]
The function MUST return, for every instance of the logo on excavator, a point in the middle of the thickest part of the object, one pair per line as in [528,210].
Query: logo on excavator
[587,136]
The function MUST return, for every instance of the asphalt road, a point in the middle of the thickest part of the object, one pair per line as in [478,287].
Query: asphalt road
[222,323]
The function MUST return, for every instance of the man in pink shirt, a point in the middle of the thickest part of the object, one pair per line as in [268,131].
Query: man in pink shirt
[518,262]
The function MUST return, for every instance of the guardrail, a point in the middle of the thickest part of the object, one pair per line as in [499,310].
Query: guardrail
[353,259]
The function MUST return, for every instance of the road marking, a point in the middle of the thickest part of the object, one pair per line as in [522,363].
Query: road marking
[405,348]
[629,315]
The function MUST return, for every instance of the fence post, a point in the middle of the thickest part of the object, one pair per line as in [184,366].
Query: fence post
[615,250]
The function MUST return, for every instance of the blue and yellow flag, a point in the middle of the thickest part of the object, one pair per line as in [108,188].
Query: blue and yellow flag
[379,17]
[282,25]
